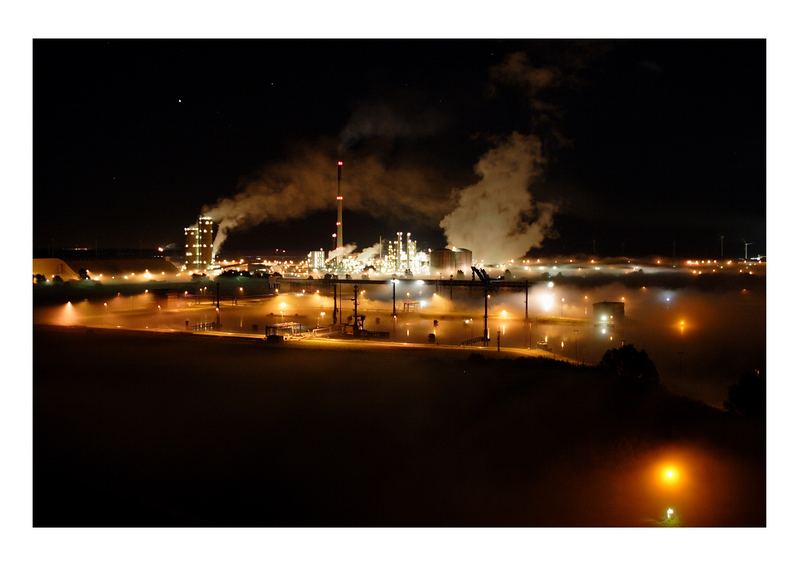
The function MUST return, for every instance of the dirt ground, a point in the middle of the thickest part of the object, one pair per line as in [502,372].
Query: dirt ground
[148,429]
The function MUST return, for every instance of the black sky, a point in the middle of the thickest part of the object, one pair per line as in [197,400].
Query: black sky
[646,142]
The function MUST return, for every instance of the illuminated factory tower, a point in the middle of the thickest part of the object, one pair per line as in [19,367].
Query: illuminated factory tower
[411,252]
[399,252]
[391,258]
[200,244]
[316,260]
[339,201]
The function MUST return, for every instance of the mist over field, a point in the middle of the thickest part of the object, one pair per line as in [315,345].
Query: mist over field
[187,430]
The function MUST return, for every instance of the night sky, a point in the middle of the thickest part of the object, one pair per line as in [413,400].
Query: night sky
[645,142]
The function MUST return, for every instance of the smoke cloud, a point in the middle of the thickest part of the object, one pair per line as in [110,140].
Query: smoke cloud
[496,217]
[369,253]
[413,118]
[307,183]
[517,70]
[341,251]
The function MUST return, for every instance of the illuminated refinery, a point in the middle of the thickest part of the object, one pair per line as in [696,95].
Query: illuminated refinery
[532,319]
[574,307]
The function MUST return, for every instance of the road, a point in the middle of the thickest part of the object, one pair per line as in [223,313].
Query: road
[351,344]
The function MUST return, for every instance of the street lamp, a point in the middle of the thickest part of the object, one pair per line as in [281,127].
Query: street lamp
[669,475]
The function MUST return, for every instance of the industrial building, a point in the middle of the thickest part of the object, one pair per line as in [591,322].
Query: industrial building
[401,257]
[105,269]
[316,260]
[51,267]
[200,245]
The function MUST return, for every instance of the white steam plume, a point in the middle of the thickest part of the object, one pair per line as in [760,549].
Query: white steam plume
[307,183]
[369,253]
[341,251]
[496,217]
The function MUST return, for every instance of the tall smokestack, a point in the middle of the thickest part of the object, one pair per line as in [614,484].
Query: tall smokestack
[339,201]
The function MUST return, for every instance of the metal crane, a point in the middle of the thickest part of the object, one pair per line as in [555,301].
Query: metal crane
[487,287]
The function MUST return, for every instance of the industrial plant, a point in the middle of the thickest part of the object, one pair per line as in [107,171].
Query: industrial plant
[394,257]
[434,295]
[408,283]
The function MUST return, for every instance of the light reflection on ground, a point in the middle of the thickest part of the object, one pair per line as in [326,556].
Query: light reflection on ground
[700,341]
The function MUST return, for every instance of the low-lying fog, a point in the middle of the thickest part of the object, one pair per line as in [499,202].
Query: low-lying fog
[700,341]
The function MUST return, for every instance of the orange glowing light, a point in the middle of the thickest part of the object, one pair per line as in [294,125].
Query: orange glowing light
[670,475]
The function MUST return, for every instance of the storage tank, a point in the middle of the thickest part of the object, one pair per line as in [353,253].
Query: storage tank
[463,259]
[443,261]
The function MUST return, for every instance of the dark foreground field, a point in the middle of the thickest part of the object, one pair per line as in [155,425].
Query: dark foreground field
[136,429]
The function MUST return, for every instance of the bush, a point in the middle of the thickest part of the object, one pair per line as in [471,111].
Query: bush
[748,397]
[630,365]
